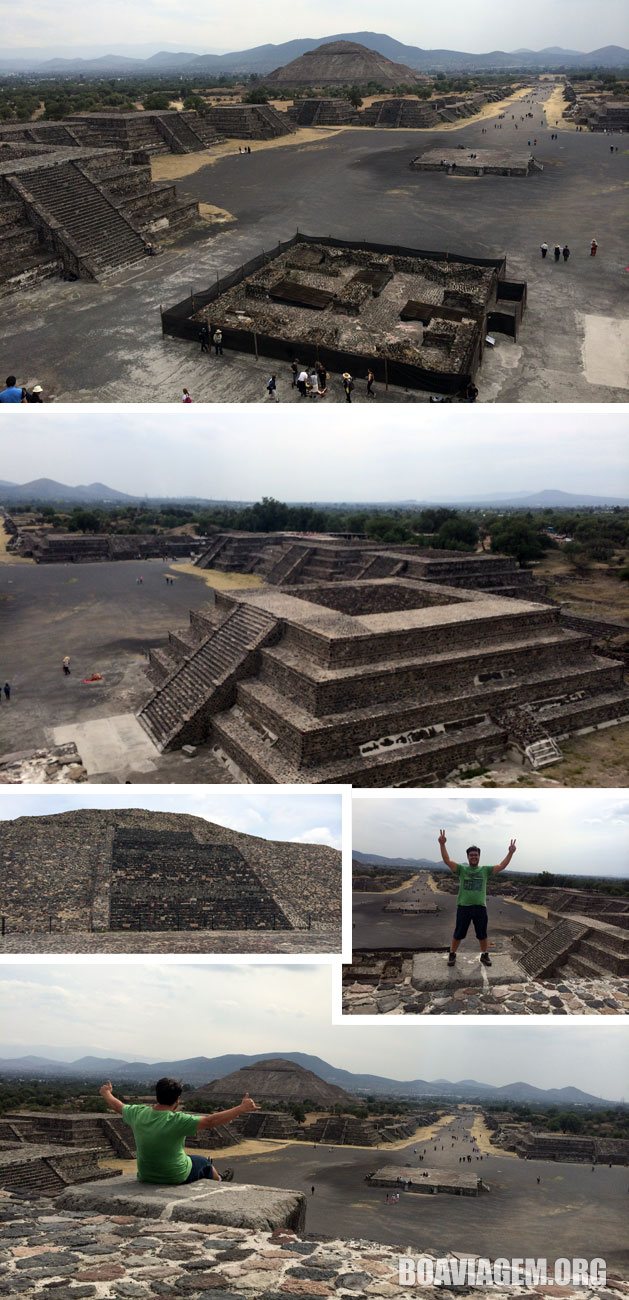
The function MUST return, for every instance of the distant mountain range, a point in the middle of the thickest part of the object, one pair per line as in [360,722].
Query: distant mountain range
[199,1070]
[48,490]
[262,59]
[376,860]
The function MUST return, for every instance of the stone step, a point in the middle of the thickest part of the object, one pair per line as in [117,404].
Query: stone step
[97,228]
[364,683]
[174,708]
[552,949]
[262,761]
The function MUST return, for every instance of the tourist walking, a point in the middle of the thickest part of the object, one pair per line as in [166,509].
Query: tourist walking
[593,252]
[7,691]
[557,252]
[544,248]
[371,379]
[472,896]
[566,252]
[348,385]
[322,378]
[66,666]
[204,337]
[302,380]
[271,388]
[218,342]
[294,365]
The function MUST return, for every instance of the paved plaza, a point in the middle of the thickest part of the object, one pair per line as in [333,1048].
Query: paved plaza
[559,1216]
[88,342]
[373,927]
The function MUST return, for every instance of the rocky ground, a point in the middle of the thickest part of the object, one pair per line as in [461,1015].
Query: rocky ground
[571,997]
[74,1255]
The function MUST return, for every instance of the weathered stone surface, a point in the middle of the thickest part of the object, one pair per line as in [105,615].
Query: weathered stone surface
[242,1206]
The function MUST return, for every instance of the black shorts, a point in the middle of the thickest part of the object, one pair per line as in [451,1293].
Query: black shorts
[477,915]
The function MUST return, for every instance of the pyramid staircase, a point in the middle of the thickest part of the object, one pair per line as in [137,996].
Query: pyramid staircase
[180,710]
[82,217]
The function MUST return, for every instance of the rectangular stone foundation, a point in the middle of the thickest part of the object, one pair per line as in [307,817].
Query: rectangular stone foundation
[236,1206]
[426,1180]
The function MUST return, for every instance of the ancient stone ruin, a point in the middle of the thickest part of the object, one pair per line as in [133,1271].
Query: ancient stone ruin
[128,870]
[275,1080]
[459,160]
[76,196]
[427,1181]
[420,319]
[375,666]
[47,547]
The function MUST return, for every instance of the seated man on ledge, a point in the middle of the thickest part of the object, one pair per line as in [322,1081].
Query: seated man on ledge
[160,1132]
[472,896]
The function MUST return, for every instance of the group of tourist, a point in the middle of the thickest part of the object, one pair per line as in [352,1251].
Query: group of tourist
[560,250]
[14,392]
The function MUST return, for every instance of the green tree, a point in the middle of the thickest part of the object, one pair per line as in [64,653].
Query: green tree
[516,536]
[457,534]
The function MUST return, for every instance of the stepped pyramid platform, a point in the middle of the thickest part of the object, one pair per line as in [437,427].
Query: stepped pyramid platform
[377,681]
[323,112]
[78,199]
[131,870]
[249,121]
[35,1169]
[105,1134]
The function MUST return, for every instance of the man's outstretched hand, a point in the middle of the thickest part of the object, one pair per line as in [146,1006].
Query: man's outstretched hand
[442,839]
[512,847]
[105,1088]
[248,1104]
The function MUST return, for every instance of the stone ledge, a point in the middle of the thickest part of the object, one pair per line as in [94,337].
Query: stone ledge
[236,1206]
[431,971]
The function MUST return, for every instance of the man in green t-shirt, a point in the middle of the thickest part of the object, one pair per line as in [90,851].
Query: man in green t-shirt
[160,1132]
[472,896]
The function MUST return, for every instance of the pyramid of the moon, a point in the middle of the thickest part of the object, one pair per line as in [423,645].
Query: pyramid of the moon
[341,63]
[116,868]
[273,1080]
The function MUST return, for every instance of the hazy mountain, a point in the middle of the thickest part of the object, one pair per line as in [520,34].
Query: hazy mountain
[199,1070]
[264,58]
[551,497]
[47,489]
[376,860]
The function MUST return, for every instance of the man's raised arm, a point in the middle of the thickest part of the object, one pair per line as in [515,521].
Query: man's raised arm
[445,855]
[505,861]
[109,1098]
[224,1116]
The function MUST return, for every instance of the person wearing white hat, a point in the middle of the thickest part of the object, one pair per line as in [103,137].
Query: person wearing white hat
[36,394]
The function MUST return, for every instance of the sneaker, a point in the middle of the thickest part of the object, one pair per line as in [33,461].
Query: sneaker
[451,958]
[485,959]
[227,1176]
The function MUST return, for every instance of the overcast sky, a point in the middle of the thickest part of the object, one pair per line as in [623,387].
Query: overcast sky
[582,832]
[152,1012]
[383,454]
[301,818]
[186,25]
